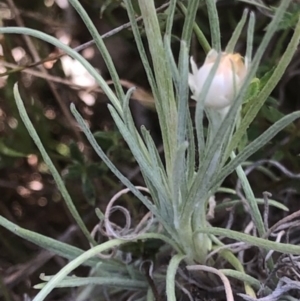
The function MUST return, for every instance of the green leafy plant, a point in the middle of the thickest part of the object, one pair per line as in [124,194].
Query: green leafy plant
[179,189]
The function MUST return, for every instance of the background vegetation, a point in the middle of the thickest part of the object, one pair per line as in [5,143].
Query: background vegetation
[49,81]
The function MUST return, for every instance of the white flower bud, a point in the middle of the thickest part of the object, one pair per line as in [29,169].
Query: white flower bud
[226,82]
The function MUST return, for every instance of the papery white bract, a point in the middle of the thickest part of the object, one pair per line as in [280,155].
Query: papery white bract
[226,82]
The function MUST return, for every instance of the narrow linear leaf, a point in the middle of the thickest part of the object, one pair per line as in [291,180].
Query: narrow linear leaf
[107,281]
[116,172]
[170,278]
[154,156]
[100,45]
[254,210]
[254,241]
[198,32]
[189,22]
[170,19]
[167,111]
[265,92]
[273,203]
[236,263]
[214,25]
[60,248]
[242,277]
[183,93]
[10,152]
[149,169]
[57,178]
[141,48]
[66,270]
[237,32]
[172,66]
[178,175]
[256,145]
